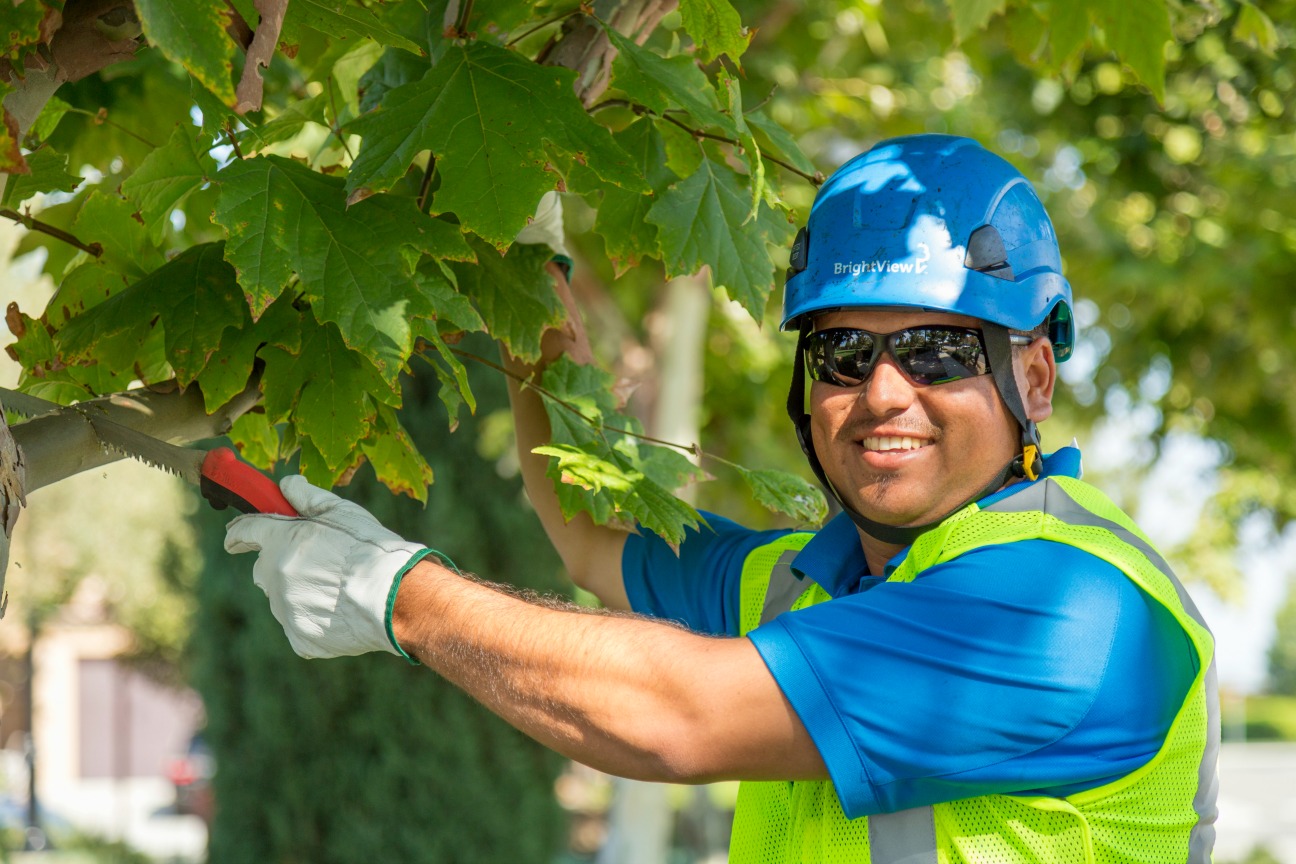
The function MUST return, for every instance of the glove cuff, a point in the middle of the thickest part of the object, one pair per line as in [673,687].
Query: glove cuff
[395,586]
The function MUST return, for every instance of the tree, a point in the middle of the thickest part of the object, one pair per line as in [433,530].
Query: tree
[368,757]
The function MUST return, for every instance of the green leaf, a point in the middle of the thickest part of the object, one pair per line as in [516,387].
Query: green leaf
[731,97]
[514,294]
[11,158]
[491,118]
[585,467]
[48,119]
[586,401]
[108,220]
[192,33]
[621,215]
[660,511]
[662,84]
[454,311]
[973,15]
[498,18]
[786,493]
[193,298]
[1068,30]
[340,19]
[395,68]
[257,439]
[316,467]
[702,221]
[715,27]
[84,287]
[1253,27]
[287,123]
[230,367]
[784,144]
[396,460]
[167,176]
[20,25]
[668,467]
[48,174]
[1138,30]
[284,218]
[325,388]
[600,470]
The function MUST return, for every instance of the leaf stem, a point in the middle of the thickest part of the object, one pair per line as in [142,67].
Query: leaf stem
[95,249]
[233,139]
[426,185]
[694,449]
[816,178]
[335,126]
[101,116]
[461,22]
[554,19]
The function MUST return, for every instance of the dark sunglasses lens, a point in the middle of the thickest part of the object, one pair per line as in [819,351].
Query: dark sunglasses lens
[840,356]
[936,355]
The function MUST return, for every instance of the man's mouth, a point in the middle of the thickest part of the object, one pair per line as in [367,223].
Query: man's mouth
[885,443]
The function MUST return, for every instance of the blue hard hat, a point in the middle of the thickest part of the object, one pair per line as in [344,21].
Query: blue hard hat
[934,222]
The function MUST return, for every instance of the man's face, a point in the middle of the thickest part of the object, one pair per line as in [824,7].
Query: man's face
[902,453]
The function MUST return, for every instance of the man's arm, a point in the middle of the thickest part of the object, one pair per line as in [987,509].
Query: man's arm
[590,552]
[624,694]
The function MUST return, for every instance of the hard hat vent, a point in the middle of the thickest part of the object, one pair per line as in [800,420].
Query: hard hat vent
[986,253]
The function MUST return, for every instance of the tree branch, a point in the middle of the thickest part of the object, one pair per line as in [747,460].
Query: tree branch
[693,449]
[816,178]
[95,249]
[62,443]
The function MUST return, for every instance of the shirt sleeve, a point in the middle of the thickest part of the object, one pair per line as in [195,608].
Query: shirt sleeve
[700,586]
[1023,668]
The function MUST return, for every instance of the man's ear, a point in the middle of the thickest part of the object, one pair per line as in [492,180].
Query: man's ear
[1036,377]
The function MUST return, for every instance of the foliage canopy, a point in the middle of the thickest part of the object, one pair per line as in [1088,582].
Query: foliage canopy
[355,218]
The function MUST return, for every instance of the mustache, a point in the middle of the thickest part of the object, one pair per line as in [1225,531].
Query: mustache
[898,427]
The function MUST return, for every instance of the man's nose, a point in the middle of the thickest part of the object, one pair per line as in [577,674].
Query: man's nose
[887,391]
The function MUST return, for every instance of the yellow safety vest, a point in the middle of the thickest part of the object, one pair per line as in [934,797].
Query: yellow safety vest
[1162,812]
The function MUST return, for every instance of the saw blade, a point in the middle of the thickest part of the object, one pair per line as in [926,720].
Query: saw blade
[25,404]
[184,462]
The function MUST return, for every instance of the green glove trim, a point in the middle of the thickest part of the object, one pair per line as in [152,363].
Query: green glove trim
[391,595]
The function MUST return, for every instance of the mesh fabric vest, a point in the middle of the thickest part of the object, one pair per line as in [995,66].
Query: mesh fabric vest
[1162,812]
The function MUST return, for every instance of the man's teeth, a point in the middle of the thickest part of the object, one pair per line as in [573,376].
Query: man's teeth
[889,442]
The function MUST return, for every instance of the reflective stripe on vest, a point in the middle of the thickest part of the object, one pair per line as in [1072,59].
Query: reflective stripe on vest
[903,837]
[784,588]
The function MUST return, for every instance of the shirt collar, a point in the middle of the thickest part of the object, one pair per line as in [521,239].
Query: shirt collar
[835,560]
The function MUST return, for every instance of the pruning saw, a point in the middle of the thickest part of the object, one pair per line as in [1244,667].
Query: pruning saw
[224,479]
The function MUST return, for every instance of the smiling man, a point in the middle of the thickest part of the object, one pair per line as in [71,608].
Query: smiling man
[981,659]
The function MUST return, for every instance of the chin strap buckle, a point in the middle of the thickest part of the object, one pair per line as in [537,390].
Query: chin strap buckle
[1030,462]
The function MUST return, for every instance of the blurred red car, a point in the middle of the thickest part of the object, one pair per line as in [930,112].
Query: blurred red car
[191,775]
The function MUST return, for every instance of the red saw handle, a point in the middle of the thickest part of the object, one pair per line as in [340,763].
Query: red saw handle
[228,481]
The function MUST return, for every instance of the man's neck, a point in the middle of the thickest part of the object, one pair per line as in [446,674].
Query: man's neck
[877,553]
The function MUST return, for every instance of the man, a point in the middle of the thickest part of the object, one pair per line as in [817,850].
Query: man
[981,659]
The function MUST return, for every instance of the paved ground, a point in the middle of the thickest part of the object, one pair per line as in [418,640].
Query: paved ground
[1257,808]
[1257,801]
[137,811]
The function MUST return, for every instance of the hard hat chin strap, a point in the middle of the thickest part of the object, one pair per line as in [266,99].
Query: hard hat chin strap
[1026,464]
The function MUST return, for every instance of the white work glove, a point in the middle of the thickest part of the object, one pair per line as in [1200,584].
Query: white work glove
[546,227]
[331,575]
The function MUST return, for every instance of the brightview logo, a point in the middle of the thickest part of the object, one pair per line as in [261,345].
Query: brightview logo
[885,265]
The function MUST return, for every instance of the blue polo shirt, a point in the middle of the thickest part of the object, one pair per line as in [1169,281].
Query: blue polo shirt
[1028,668]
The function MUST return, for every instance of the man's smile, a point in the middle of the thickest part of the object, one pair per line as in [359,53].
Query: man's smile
[886,443]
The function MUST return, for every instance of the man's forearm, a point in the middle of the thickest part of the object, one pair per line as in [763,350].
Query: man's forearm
[625,694]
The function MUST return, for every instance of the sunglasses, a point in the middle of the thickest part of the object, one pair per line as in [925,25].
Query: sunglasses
[845,356]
